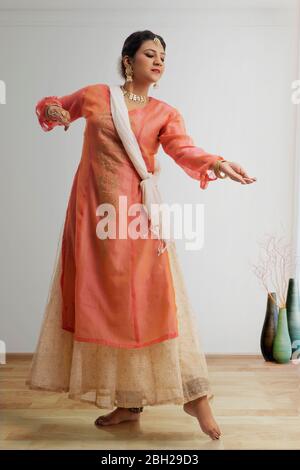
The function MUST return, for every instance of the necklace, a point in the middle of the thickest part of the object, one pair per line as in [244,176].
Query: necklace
[133,97]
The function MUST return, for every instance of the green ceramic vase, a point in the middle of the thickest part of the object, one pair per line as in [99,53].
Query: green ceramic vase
[282,347]
[293,313]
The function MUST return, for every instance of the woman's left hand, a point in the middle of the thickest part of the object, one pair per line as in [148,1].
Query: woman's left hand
[236,172]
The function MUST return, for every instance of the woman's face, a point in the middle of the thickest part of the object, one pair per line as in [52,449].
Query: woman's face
[148,57]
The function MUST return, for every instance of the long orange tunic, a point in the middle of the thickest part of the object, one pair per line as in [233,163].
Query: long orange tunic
[117,291]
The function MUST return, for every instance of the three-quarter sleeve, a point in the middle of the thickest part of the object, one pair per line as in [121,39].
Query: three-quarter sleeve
[180,146]
[72,103]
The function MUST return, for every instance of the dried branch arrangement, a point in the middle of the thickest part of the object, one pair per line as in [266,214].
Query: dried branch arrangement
[277,264]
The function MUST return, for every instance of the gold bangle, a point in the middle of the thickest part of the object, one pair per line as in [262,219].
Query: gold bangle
[46,113]
[49,116]
[217,169]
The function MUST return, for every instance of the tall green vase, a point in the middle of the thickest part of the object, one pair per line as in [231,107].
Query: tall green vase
[293,313]
[282,347]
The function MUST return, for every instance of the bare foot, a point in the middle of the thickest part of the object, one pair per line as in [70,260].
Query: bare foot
[117,416]
[201,410]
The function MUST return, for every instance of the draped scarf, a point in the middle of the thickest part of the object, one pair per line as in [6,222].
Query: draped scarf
[151,197]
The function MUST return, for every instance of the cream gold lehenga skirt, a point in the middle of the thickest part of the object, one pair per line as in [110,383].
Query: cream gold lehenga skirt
[172,371]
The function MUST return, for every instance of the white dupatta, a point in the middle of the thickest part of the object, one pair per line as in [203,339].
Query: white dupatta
[150,190]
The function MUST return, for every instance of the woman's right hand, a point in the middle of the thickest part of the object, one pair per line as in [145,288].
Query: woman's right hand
[57,113]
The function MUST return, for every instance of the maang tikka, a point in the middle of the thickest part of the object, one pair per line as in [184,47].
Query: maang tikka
[158,43]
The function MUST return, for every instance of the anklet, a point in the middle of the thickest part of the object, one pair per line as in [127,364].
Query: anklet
[136,410]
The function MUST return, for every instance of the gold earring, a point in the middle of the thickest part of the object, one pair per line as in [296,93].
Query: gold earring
[128,73]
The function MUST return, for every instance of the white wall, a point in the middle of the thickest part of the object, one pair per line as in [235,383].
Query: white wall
[229,71]
[297,158]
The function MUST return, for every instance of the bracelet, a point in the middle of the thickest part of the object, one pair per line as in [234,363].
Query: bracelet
[48,116]
[217,169]
[46,112]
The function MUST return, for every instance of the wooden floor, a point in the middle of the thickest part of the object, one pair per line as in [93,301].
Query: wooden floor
[257,405]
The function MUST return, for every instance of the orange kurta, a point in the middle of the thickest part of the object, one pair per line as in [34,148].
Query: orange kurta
[117,291]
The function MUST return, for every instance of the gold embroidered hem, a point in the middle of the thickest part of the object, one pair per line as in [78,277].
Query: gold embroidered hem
[172,371]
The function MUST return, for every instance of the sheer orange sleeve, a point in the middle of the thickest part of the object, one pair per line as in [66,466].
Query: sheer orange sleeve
[72,103]
[180,146]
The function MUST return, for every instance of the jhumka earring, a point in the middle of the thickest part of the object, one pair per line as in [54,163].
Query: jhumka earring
[128,73]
